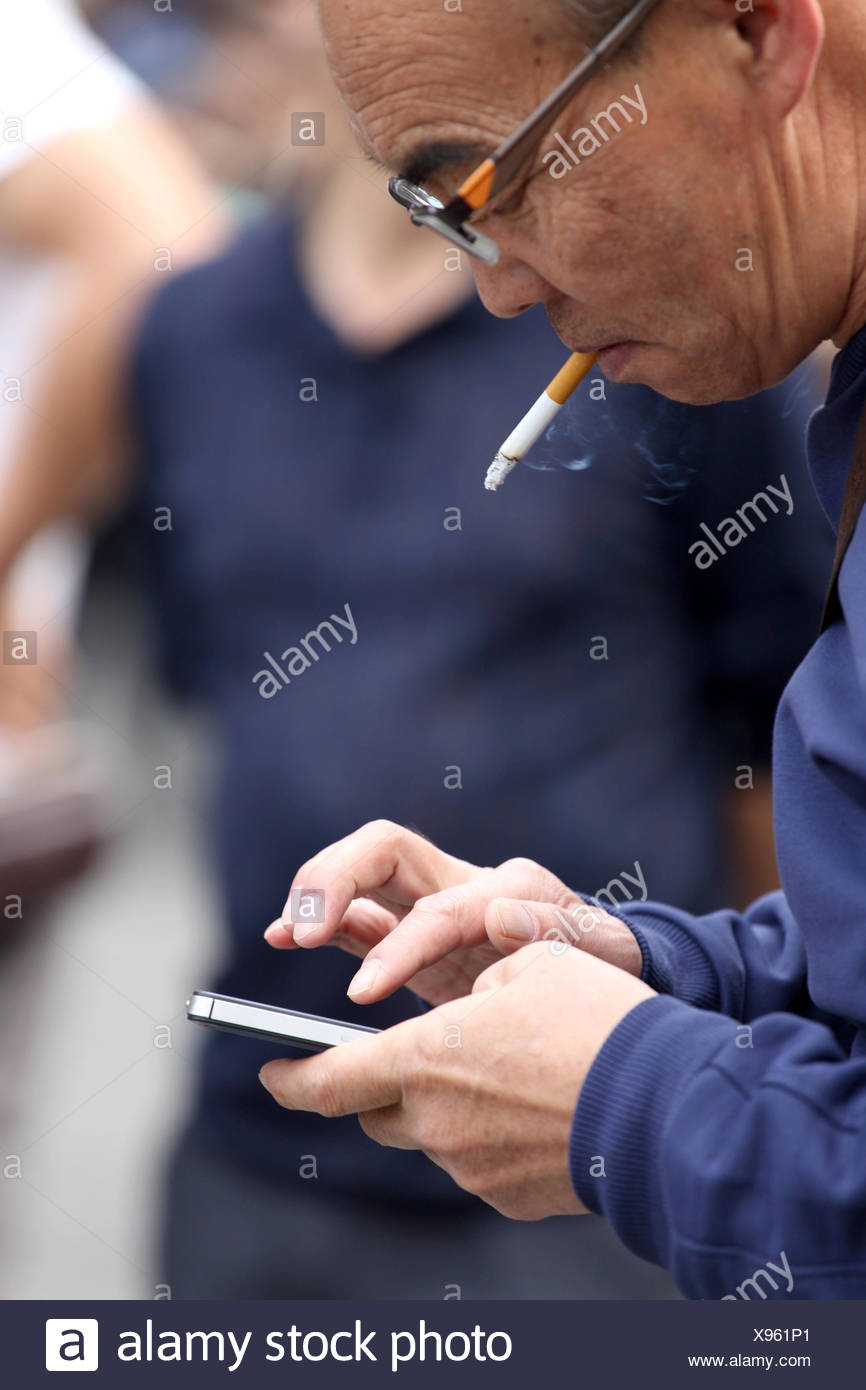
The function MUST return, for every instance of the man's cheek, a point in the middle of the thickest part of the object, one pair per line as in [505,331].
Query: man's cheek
[585,235]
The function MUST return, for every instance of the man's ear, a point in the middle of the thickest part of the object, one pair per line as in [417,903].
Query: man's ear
[785,38]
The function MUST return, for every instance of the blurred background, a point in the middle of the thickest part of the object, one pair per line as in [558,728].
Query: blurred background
[231,381]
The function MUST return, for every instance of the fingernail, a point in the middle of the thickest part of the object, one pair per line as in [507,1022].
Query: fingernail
[515,921]
[365,978]
[301,933]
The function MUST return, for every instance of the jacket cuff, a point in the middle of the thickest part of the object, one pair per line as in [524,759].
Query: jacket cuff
[673,962]
[633,1088]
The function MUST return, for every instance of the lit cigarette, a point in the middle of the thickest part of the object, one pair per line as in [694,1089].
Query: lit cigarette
[539,418]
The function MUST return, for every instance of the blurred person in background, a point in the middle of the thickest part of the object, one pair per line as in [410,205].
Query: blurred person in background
[99,200]
[220,68]
[98,197]
[296,405]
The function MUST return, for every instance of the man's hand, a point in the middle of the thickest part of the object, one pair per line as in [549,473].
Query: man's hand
[425,919]
[486,1085]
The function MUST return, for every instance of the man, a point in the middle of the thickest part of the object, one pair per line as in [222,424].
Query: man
[277,482]
[445,670]
[718,1063]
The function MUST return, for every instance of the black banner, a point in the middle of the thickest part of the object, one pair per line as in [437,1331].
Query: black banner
[321,1344]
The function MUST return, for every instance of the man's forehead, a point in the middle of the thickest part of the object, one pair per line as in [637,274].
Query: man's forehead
[429,88]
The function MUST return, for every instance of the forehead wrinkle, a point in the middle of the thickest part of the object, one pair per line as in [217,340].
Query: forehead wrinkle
[364,68]
[401,124]
[410,85]
[397,108]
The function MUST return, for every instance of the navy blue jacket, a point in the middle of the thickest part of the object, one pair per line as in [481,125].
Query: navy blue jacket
[731,1111]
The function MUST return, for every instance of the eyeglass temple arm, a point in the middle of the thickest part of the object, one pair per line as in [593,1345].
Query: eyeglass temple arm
[497,171]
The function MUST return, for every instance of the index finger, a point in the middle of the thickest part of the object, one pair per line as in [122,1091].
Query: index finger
[442,922]
[452,920]
[383,861]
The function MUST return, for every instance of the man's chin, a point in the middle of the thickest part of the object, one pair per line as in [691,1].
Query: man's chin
[617,361]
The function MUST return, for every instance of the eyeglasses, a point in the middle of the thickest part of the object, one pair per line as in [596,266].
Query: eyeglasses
[453,220]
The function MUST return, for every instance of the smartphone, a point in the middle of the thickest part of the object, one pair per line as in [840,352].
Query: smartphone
[307,1032]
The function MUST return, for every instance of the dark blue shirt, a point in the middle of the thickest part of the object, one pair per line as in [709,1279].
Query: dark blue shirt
[542,672]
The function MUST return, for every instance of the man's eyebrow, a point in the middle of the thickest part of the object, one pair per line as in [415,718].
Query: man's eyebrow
[435,155]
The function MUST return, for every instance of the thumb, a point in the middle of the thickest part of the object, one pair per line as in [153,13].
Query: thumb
[512,924]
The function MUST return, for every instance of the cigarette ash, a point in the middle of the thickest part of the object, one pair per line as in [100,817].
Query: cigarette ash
[501,468]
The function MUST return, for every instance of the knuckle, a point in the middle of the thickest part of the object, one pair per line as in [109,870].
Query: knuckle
[450,1145]
[372,1125]
[306,872]
[302,873]
[564,922]
[413,1063]
[438,905]
[521,866]
[384,828]
[428,1051]
[323,1096]
[421,1071]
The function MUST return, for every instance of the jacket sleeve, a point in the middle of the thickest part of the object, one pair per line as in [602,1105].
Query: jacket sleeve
[743,965]
[735,1158]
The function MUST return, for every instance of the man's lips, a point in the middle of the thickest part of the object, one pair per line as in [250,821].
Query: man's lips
[606,346]
[609,349]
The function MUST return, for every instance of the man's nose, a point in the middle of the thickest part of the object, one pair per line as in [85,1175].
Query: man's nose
[511,286]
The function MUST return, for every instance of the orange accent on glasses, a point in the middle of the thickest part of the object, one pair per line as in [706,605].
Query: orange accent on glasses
[476,189]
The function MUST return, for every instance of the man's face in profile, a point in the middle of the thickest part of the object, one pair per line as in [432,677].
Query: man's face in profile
[655,237]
